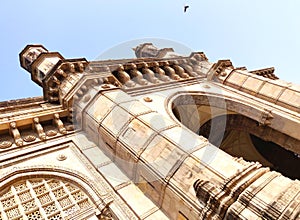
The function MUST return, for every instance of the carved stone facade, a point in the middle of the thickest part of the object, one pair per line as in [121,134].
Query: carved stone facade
[161,136]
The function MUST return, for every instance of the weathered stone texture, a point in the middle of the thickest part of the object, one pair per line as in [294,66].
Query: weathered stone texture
[122,139]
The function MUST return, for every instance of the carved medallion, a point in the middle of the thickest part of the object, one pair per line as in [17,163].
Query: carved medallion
[61,157]
[29,138]
[147,99]
[51,133]
[5,144]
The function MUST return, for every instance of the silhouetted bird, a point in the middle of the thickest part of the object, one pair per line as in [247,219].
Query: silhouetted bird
[186,7]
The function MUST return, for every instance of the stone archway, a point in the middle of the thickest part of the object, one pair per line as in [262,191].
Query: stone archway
[226,124]
[244,138]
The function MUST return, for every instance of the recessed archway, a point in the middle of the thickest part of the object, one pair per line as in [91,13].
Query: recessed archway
[243,138]
[221,122]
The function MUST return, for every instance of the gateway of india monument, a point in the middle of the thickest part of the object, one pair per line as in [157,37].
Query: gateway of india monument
[159,136]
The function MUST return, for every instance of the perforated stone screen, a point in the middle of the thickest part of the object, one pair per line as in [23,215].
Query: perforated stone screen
[42,199]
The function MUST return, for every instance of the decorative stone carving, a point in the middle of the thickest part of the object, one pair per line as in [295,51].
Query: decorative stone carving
[147,99]
[39,129]
[218,185]
[218,68]
[188,69]
[266,117]
[202,189]
[160,72]
[62,73]
[83,88]
[5,144]
[179,70]
[51,133]
[16,134]
[106,213]
[33,54]
[79,93]
[96,82]
[29,138]
[146,50]
[124,77]
[137,75]
[197,68]
[53,90]
[60,126]
[30,199]
[170,71]
[30,54]
[61,157]
[105,80]
[200,56]
[267,73]
[53,99]
[149,74]
[71,67]
[81,67]
[55,80]
[86,98]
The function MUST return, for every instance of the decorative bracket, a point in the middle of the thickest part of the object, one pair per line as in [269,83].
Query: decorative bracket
[39,129]
[266,117]
[60,125]
[218,68]
[16,134]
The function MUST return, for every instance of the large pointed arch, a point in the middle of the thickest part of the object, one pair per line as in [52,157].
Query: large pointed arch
[240,128]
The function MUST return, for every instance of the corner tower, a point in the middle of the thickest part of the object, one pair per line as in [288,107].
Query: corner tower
[38,61]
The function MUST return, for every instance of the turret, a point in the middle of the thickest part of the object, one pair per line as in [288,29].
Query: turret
[38,61]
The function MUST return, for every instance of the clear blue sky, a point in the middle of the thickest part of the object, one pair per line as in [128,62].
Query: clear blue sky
[252,33]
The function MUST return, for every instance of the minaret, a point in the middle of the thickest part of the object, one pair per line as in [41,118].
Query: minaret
[38,61]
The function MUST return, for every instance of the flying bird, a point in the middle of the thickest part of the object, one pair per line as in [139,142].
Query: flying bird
[185,8]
